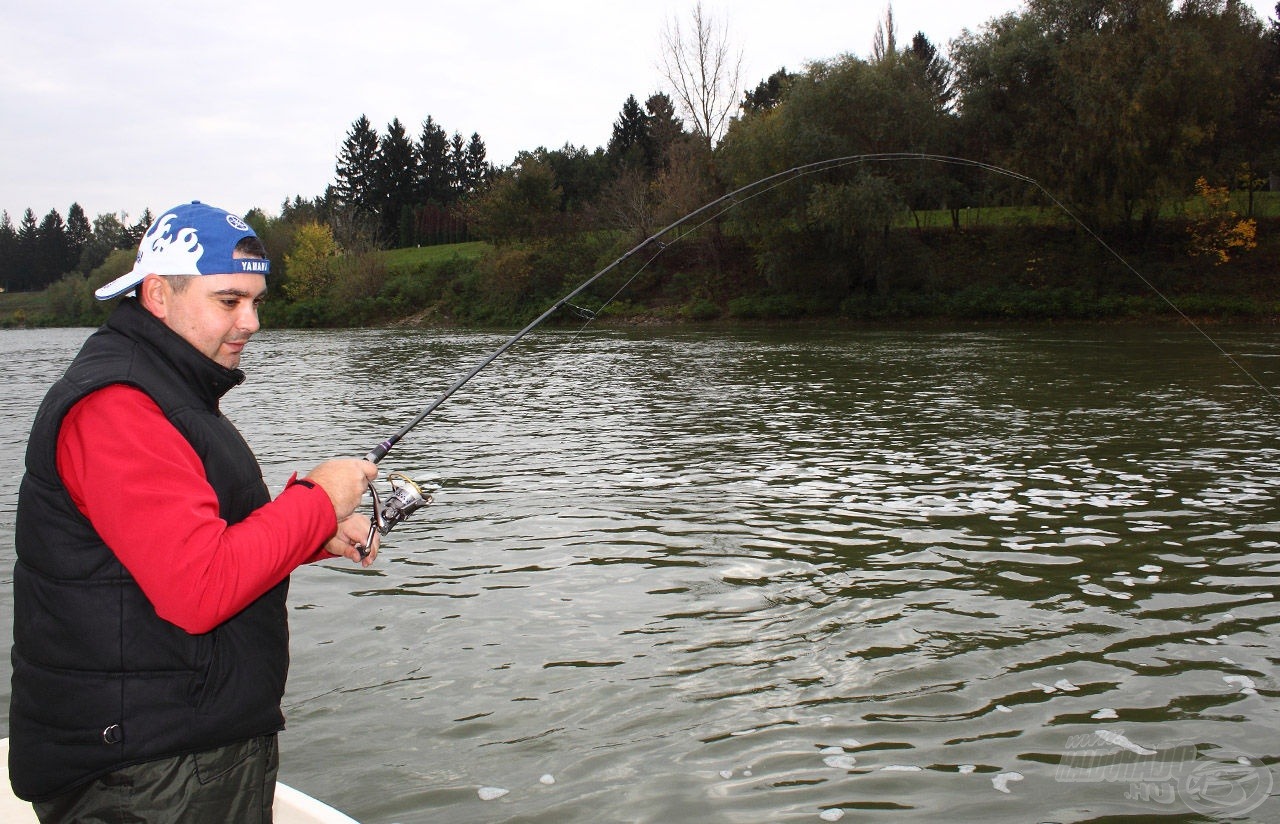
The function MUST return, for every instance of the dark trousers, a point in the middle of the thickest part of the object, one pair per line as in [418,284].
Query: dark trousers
[236,783]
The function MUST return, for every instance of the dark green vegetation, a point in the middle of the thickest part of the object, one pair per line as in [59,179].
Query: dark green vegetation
[1153,122]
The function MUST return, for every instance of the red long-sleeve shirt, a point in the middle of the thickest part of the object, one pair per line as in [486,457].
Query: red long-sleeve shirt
[144,489]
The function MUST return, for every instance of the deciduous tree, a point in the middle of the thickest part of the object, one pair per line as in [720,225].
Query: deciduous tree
[310,263]
[704,72]
[109,233]
[521,204]
[767,93]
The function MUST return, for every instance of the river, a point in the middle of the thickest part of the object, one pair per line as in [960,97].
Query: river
[988,574]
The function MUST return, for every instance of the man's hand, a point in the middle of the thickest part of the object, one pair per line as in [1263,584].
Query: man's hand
[345,481]
[350,536]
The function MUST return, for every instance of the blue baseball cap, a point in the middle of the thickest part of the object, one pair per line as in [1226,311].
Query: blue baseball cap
[192,239]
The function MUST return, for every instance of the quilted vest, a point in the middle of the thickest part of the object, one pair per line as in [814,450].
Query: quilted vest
[99,680]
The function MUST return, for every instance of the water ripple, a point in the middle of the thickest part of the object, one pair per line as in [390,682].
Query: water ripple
[739,577]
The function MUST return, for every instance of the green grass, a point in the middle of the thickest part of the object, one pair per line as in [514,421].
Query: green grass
[16,308]
[1265,204]
[417,256]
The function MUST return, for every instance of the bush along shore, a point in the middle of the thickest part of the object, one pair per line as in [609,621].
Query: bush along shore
[1042,273]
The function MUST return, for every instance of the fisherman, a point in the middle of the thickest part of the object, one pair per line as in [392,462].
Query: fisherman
[150,630]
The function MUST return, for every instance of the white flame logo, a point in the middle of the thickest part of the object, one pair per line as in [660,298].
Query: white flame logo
[176,246]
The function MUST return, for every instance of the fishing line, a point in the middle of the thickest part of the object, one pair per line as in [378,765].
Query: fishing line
[787,176]
[408,496]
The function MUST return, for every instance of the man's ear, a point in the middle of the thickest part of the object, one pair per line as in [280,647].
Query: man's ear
[153,292]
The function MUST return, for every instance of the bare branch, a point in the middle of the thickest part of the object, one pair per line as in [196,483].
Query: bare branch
[704,75]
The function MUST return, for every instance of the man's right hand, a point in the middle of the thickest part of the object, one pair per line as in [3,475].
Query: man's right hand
[345,481]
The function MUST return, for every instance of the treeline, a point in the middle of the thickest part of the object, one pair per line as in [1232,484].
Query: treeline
[392,190]
[34,255]
[1124,111]
[1138,116]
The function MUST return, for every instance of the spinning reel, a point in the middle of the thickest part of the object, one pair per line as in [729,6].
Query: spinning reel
[406,498]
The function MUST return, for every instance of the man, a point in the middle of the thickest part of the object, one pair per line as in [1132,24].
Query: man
[150,633]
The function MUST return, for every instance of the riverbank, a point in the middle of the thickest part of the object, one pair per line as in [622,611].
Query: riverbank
[934,275]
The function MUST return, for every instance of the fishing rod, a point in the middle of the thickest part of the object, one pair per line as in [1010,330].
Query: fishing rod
[408,496]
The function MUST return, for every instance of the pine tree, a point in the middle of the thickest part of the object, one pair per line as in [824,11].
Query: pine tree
[478,169]
[8,253]
[459,181]
[626,145]
[139,228]
[397,181]
[52,254]
[435,170]
[357,171]
[28,254]
[79,233]
[935,70]
[662,128]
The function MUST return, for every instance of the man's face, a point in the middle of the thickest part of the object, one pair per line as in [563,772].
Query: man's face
[217,314]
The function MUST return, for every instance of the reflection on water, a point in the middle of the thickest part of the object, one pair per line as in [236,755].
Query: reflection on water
[994,575]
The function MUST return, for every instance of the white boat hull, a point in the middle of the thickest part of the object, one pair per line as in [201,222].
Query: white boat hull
[291,806]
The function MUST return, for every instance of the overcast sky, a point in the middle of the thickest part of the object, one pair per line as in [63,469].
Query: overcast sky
[126,105]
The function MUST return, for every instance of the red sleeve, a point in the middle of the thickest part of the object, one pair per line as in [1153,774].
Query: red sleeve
[142,486]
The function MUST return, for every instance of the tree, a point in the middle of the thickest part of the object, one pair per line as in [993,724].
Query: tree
[1269,114]
[768,93]
[310,263]
[703,72]
[109,233]
[522,203]
[477,163]
[28,253]
[662,129]
[53,254]
[684,182]
[1114,105]
[8,253]
[459,177]
[436,173]
[135,232]
[884,45]
[580,175]
[935,70]
[822,235]
[1215,229]
[79,232]
[398,182]
[627,143]
[356,183]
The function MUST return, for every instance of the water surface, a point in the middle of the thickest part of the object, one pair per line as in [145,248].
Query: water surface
[994,574]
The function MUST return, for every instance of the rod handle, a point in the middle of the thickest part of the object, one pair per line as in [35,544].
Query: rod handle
[379,452]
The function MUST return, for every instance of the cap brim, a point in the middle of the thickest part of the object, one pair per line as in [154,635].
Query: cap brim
[125,283]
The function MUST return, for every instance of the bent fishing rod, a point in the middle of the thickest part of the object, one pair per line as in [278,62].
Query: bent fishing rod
[408,496]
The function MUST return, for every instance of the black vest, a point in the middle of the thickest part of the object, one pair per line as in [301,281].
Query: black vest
[99,680]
